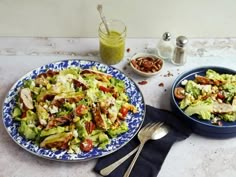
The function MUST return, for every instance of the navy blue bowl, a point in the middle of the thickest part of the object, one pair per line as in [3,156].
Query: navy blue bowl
[202,127]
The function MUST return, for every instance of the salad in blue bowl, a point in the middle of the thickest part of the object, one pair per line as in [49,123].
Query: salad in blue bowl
[206,99]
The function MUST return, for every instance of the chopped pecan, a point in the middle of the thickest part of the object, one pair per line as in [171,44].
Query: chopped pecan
[90,126]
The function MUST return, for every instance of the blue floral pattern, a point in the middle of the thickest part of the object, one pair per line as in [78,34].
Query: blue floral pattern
[134,120]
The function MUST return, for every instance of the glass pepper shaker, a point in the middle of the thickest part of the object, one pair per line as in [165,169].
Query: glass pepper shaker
[165,46]
[179,56]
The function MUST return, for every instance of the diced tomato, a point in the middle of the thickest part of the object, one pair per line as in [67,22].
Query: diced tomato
[81,109]
[86,145]
[104,89]
[124,111]
[179,93]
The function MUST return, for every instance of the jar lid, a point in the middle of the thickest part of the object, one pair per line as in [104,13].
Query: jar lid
[166,36]
[181,41]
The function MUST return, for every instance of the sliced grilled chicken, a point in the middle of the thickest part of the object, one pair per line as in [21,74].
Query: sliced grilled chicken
[78,83]
[99,75]
[99,121]
[205,81]
[59,141]
[224,107]
[25,95]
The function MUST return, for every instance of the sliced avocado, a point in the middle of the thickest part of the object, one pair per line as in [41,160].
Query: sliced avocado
[29,132]
[16,112]
[57,138]
[82,132]
[103,140]
[117,131]
[52,131]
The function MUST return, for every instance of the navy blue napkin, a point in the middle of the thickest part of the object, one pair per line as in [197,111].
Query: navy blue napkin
[154,152]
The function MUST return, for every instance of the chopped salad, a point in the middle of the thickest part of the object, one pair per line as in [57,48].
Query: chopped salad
[211,97]
[72,109]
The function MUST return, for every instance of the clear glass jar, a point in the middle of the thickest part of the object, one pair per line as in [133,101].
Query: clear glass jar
[112,45]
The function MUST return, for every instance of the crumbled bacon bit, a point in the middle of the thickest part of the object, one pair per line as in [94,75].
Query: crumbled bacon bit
[142,82]
[168,74]
[219,123]
[128,50]
[161,84]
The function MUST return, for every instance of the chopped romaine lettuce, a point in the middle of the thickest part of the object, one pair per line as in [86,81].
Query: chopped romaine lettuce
[16,112]
[28,126]
[186,101]
[119,130]
[228,117]
[201,108]
[211,74]
[192,88]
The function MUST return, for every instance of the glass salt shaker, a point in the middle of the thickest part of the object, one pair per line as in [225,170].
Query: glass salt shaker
[179,56]
[165,46]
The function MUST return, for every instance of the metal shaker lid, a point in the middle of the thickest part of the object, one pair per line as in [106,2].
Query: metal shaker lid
[181,41]
[166,36]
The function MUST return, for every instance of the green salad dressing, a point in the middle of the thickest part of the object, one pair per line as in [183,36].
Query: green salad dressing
[112,47]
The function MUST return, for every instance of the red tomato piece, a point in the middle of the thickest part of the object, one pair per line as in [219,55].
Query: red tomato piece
[124,111]
[179,93]
[104,89]
[81,109]
[86,145]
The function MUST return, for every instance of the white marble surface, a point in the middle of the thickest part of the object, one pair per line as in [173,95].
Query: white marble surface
[196,156]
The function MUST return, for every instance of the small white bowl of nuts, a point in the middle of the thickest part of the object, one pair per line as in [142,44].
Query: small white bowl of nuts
[146,64]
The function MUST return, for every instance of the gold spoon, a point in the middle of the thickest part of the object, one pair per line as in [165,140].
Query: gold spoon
[99,8]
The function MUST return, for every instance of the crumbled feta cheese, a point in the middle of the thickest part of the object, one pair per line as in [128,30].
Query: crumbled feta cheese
[75,133]
[206,88]
[53,109]
[21,105]
[184,82]
[45,106]
[43,122]
[65,78]
[110,101]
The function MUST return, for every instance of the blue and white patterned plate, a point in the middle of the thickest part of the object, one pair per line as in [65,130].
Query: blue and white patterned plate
[134,120]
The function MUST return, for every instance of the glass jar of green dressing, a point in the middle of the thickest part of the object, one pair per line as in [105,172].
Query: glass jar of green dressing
[112,44]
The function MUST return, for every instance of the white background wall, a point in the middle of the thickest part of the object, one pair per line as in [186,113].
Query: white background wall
[144,18]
